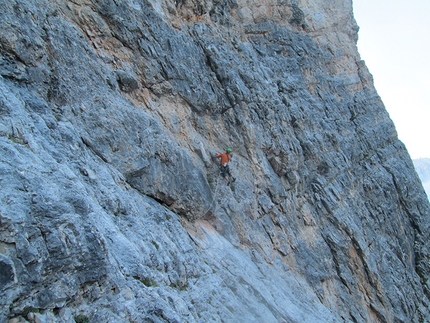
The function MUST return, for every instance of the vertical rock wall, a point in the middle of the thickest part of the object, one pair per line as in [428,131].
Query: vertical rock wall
[112,208]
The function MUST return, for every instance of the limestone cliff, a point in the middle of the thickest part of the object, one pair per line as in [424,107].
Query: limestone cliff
[112,208]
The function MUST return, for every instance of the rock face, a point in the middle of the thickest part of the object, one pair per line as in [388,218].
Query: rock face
[112,208]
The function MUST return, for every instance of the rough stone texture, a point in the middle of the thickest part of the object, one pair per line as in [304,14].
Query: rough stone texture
[111,205]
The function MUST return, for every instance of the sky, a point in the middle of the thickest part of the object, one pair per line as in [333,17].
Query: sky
[394,42]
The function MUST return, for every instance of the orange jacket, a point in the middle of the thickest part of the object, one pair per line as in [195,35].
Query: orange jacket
[225,158]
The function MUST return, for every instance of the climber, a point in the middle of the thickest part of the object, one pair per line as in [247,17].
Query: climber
[224,168]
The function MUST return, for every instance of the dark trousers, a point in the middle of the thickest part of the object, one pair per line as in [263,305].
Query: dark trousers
[225,171]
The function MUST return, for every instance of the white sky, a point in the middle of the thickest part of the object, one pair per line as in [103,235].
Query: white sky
[394,41]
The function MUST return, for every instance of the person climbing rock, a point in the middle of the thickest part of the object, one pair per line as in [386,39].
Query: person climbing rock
[224,168]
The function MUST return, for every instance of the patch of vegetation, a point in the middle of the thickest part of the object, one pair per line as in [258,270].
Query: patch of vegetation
[18,139]
[81,319]
[148,282]
[210,180]
[29,309]
[180,286]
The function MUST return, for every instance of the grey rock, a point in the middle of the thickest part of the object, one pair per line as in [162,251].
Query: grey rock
[112,208]
[127,82]
[7,272]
